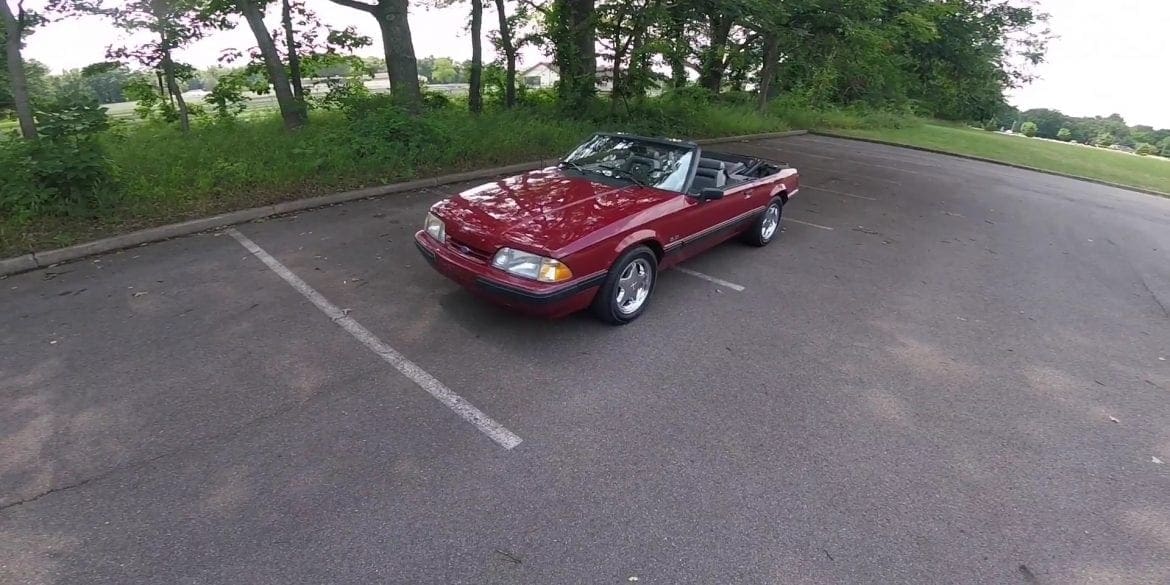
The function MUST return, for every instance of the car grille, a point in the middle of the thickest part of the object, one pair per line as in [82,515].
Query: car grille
[468,250]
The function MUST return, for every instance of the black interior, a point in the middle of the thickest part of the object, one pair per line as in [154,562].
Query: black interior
[724,171]
[640,166]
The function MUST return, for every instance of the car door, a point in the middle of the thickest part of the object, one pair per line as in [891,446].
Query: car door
[699,224]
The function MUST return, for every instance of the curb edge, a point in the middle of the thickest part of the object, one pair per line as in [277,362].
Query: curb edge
[43,259]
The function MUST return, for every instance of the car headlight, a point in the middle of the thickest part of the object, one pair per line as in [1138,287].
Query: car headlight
[531,266]
[435,228]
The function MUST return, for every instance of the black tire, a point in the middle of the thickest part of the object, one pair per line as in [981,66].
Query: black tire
[605,304]
[757,235]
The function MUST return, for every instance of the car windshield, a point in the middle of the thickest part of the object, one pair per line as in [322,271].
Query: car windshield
[645,162]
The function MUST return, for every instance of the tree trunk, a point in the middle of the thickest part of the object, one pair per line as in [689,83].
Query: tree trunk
[771,66]
[289,112]
[163,92]
[585,39]
[617,82]
[168,67]
[16,76]
[475,95]
[397,46]
[401,65]
[678,71]
[294,57]
[509,56]
[639,64]
[713,66]
[576,53]
[675,53]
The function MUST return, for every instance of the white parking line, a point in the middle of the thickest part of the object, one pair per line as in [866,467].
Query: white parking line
[505,438]
[835,192]
[718,281]
[824,227]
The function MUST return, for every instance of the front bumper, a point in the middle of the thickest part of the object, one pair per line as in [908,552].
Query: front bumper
[536,298]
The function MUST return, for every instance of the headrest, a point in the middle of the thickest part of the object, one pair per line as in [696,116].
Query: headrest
[711,163]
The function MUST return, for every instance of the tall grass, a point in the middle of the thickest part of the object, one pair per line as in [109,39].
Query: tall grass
[163,175]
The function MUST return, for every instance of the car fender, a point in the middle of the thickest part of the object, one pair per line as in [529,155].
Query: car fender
[643,236]
[781,191]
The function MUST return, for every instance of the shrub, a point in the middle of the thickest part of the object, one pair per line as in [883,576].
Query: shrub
[381,130]
[66,171]
[341,93]
[354,139]
[21,197]
[436,100]
[1146,149]
[1064,135]
[535,98]
[692,94]
[738,98]
[142,91]
[1028,129]
[227,98]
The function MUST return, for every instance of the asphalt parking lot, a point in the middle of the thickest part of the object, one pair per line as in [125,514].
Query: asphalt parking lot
[944,371]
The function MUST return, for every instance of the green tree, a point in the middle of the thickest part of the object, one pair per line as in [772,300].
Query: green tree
[376,64]
[625,30]
[1105,139]
[227,97]
[37,78]
[569,33]
[397,44]
[1028,129]
[301,45]
[1146,149]
[292,111]
[1064,135]
[1048,122]
[16,25]
[444,71]
[508,43]
[105,80]
[170,25]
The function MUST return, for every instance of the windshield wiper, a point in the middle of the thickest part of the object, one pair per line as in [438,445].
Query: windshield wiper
[608,170]
[572,165]
[628,175]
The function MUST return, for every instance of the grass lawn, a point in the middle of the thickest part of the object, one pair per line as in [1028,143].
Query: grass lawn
[160,175]
[1096,163]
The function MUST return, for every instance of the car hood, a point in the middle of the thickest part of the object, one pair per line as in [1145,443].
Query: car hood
[544,211]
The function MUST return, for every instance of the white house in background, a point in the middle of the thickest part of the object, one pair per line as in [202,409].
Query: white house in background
[545,75]
[541,75]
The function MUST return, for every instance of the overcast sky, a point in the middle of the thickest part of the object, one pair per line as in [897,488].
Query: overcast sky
[1112,56]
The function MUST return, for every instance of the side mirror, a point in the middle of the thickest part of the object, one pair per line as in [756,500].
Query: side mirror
[710,194]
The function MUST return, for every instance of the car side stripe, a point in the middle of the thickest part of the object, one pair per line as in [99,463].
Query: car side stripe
[715,228]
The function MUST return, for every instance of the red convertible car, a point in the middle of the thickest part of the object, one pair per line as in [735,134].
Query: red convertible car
[595,230]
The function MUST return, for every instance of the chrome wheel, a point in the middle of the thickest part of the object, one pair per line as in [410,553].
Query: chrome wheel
[633,286]
[770,223]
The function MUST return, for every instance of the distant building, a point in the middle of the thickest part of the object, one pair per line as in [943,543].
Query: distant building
[541,75]
[545,75]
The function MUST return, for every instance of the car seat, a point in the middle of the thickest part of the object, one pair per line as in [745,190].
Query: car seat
[711,174]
